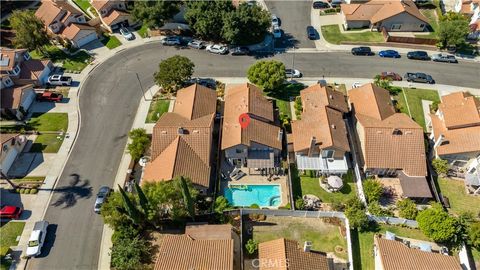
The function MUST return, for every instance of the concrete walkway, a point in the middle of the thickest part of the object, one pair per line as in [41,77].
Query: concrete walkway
[426,113]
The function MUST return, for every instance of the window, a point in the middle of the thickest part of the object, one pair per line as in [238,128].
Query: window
[15,71]
[327,153]
[8,82]
[238,151]
[26,56]
[397,132]
[396,26]
[422,25]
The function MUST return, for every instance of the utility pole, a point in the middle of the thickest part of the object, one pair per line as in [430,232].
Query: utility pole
[141,88]
[8,179]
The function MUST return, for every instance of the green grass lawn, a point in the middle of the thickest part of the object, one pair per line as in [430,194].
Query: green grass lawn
[476,256]
[83,5]
[414,99]
[47,143]
[310,185]
[75,62]
[431,15]
[459,200]
[362,243]
[332,34]
[284,107]
[9,232]
[324,237]
[283,94]
[49,121]
[111,42]
[38,179]
[143,31]
[157,108]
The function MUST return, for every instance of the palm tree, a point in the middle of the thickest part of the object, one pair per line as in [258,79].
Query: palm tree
[187,198]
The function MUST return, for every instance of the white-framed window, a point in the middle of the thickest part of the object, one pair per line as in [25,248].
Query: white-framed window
[396,26]
[8,82]
[15,71]
[328,153]
[26,56]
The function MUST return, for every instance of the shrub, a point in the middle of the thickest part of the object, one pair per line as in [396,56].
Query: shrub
[355,212]
[373,190]
[299,204]
[129,254]
[437,224]
[255,206]
[440,166]
[33,191]
[251,246]
[408,209]
[375,209]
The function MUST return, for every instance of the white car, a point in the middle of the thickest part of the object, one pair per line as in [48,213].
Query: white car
[293,73]
[170,41]
[126,33]
[59,80]
[196,44]
[277,32]
[356,85]
[275,21]
[217,48]
[37,239]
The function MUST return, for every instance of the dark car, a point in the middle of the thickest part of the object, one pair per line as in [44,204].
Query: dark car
[419,78]
[389,54]
[320,4]
[102,195]
[362,51]
[311,33]
[388,75]
[240,51]
[418,55]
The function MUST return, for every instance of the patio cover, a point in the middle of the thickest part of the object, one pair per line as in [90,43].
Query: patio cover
[472,179]
[414,187]
[320,164]
[260,159]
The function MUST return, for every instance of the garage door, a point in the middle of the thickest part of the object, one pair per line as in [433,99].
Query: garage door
[28,100]
[9,159]
[86,39]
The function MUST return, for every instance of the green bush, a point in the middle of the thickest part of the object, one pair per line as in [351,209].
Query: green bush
[440,166]
[255,206]
[299,204]
[373,190]
[33,191]
[251,246]
[375,209]
[407,208]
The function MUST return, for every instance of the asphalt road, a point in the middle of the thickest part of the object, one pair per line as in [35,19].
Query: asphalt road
[294,18]
[108,102]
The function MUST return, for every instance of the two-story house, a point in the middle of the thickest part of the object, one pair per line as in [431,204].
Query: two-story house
[66,22]
[391,143]
[471,9]
[320,138]
[251,136]
[182,140]
[22,69]
[112,13]
[15,100]
[12,146]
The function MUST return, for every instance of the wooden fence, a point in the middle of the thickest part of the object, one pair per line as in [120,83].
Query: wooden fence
[409,40]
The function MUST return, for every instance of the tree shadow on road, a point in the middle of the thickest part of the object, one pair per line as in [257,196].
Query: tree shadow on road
[70,194]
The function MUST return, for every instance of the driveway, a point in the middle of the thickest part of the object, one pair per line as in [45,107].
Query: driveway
[294,19]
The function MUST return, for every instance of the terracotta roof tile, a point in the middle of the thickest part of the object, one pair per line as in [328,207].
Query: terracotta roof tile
[49,10]
[390,140]
[12,96]
[191,105]
[5,137]
[33,68]
[113,15]
[9,57]
[379,10]
[394,255]
[460,109]
[247,98]
[277,254]
[98,4]
[73,29]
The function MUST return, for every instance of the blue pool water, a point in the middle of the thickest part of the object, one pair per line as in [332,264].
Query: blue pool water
[246,195]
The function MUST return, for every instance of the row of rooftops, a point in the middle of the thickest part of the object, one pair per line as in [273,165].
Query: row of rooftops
[378,10]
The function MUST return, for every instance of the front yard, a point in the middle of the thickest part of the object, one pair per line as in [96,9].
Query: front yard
[362,243]
[459,201]
[52,128]
[9,232]
[47,143]
[332,34]
[414,98]
[75,62]
[324,237]
[110,42]
[157,108]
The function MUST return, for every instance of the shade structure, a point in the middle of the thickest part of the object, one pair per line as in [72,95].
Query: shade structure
[335,182]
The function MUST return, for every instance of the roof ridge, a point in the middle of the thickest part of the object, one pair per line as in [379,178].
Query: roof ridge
[191,149]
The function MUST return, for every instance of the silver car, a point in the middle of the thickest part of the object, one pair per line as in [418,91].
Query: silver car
[447,58]
[217,49]
[196,44]
[172,40]
[102,195]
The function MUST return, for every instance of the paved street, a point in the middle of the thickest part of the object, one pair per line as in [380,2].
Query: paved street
[108,101]
[294,18]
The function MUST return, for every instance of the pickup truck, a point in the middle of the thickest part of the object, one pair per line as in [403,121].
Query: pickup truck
[419,78]
[49,96]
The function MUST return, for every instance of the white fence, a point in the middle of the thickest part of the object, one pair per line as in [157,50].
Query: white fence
[394,221]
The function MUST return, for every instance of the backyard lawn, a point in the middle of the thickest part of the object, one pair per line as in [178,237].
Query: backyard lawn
[9,232]
[75,62]
[332,34]
[414,98]
[459,200]
[83,4]
[157,108]
[324,237]
[47,143]
[362,243]
[110,42]
[49,121]
[283,94]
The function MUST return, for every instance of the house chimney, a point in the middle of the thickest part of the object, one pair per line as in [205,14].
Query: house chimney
[313,142]
[307,246]
[280,135]
[439,141]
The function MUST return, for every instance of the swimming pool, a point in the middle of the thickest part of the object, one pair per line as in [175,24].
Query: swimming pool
[246,195]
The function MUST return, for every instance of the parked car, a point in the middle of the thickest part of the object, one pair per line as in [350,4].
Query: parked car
[447,58]
[171,41]
[102,195]
[59,80]
[418,55]
[126,33]
[196,44]
[277,32]
[37,238]
[362,51]
[242,50]
[49,96]
[10,211]
[322,82]
[275,20]
[210,83]
[389,75]
[293,73]
[320,5]
[389,54]
[217,49]
[311,33]
[336,3]
[419,77]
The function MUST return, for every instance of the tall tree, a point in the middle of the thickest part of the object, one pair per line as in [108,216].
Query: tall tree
[408,209]
[474,235]
[173,72]
[139,143]
[452,30]
[131,209]
[246,25]
[144,203]
[438,225]
[154,13]
[267,74]
[206,18]
[355,212]
[187,197]
[30,32]
[373,190]
[129,254]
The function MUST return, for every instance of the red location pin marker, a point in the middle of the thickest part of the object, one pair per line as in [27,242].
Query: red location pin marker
[244,120]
